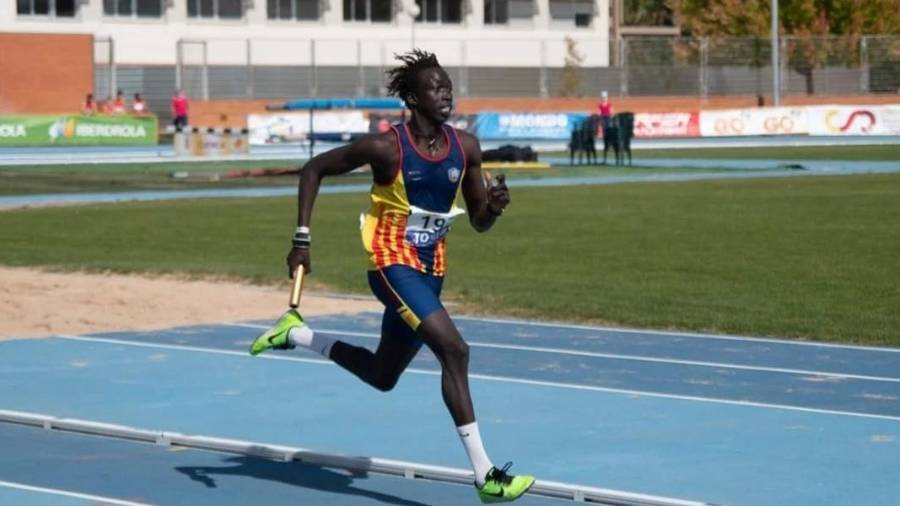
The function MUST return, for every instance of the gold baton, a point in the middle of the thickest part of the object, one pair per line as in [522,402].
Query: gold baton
[297,288]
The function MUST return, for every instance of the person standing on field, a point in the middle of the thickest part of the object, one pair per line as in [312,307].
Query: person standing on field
[605,109]
[179,110]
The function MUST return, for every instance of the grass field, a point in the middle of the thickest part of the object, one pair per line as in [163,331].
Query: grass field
[799,257]
[115,177]
[52,179]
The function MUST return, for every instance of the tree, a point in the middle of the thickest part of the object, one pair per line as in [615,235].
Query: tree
[570,81]
[806,23]
[646,13]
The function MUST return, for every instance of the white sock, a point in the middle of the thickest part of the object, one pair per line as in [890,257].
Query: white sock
[471,440]
[304,336]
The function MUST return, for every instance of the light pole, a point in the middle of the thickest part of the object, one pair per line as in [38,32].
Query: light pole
[776,48]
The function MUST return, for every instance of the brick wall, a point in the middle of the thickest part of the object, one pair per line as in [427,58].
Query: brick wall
[45,73]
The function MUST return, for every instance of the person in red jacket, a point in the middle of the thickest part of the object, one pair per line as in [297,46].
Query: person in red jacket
[179,110]
[605,109]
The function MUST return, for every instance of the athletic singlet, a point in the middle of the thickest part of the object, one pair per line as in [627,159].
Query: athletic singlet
[408,219]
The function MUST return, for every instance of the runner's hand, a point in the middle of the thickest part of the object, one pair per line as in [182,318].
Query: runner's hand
[498,194]
[296,257]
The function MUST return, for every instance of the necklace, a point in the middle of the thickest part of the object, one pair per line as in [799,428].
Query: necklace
[432,141]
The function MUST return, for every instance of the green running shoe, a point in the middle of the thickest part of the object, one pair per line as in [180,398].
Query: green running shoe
[276,338]
[501,487]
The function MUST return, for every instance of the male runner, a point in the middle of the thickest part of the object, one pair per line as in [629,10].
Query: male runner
[418,169]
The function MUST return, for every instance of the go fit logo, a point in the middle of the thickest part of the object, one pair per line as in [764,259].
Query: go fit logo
[779,125]
[861,120]
[753,123]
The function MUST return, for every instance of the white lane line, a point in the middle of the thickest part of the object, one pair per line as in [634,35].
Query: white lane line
[615,356]
[501,379]
[693,335]
[181,347]
[95,498]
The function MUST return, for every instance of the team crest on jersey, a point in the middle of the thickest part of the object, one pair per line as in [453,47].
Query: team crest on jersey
[453,174]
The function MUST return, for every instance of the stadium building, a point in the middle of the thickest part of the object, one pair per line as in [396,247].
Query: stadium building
[259,49]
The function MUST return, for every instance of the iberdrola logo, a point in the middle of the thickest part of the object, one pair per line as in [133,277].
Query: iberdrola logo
[62,127]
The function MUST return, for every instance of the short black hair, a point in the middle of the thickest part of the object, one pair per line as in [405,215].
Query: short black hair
[402,79]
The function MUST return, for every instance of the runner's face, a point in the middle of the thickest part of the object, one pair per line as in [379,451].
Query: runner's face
[434,94]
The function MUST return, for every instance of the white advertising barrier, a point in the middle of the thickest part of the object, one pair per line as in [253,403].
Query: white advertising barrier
[666,124]
[854,120]
[285,128]
[759,121]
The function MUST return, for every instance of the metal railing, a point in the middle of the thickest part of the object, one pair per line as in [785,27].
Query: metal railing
[395,468]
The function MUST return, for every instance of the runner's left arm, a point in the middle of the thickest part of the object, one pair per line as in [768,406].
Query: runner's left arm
[485,199]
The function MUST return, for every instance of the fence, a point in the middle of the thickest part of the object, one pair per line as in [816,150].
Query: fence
[643,66]
[742,66]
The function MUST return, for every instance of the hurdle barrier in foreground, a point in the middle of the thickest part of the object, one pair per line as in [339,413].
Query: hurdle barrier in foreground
[409,470]
[205,141]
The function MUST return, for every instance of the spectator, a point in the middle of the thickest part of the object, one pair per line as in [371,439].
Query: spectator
[118,105]
[138,106]
[605,109]
[179,110]
[105,107]
[89,107]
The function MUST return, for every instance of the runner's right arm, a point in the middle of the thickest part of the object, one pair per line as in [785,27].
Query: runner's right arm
[377,150]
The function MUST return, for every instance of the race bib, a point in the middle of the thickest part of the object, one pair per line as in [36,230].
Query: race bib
[425,228]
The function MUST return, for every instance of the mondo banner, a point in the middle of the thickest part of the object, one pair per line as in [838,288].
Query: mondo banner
[72,130]
[526,125]
[760,121]
[854,120]
[667,124]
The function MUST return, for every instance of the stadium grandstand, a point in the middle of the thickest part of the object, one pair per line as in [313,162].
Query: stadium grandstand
[233,57]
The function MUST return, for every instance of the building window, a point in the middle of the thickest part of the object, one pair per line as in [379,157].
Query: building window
[440,11]
[503,12]
[140,8]
[58,8]
[571,12]
[377,11]
[305,10]
[223,9]
[496,12]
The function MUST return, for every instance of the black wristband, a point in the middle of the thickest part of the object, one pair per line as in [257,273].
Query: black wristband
[301,240]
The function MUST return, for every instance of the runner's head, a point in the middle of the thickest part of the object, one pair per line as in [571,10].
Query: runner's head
[423,84]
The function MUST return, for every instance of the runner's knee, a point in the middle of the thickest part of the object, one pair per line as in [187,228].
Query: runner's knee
[454,351]
[385,381]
